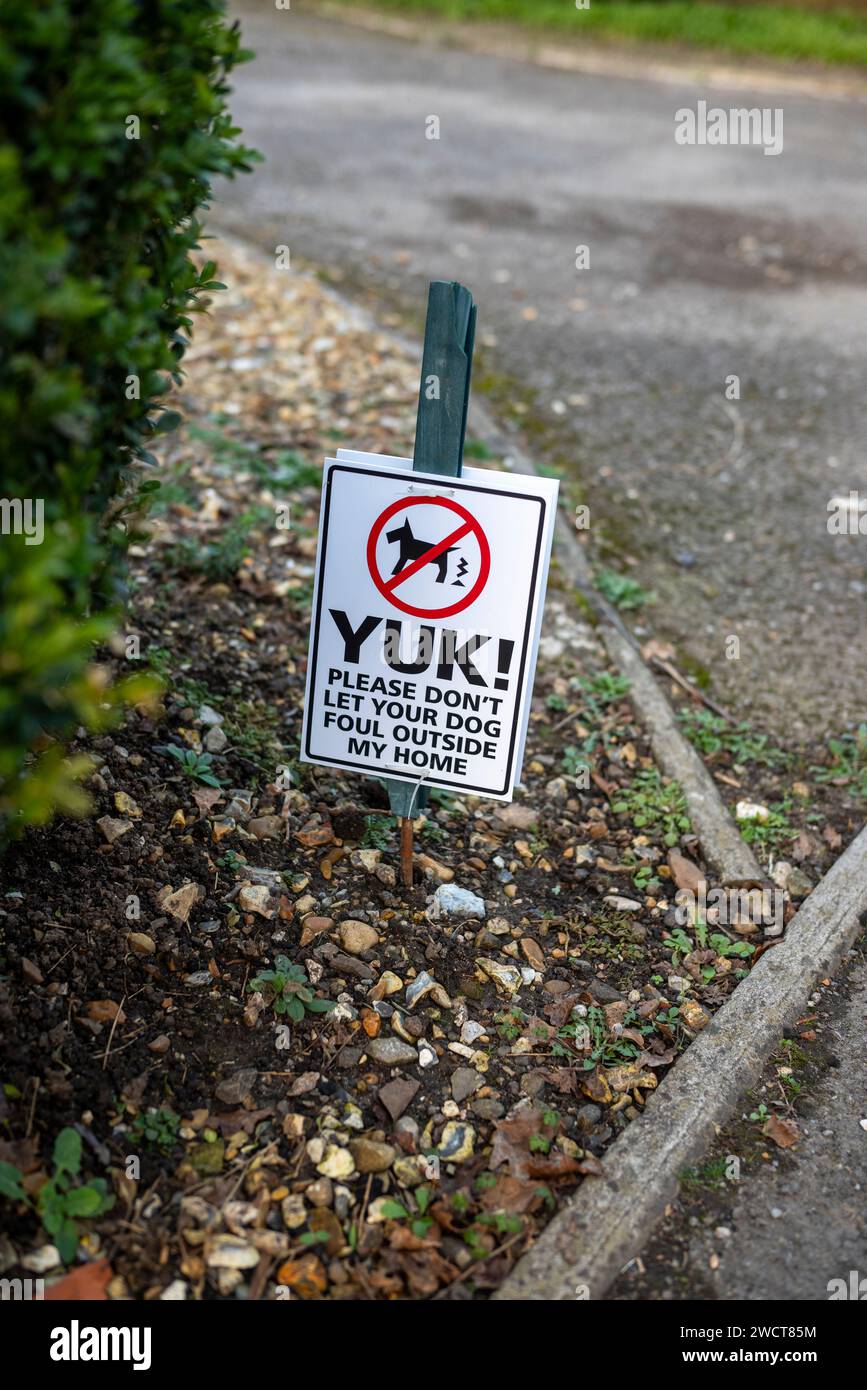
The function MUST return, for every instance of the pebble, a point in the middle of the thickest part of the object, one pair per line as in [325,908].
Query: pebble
[357,937]
[141,943]
[426,1056]
[751,811]
[694,1016]
[450,900]
[320,1192]
[422,985]
[456,1142]
[228,1252]
[175,1292]
[42,1260]
[471,1030]
[267,827]
[397,1095]
[487,1108]
[215,739]
[391,1052]
[208,715]
[464,1082]
[621,904]
[236,1088]
[32,974]
[532,952]
[255,898]
[371,1156]
[507,978]
[294,1211]
[112,828]
[336,1163]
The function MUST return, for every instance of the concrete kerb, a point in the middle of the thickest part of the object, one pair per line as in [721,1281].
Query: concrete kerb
[587,1245]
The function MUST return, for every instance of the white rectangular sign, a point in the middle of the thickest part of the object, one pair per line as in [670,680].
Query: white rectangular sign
[426,616]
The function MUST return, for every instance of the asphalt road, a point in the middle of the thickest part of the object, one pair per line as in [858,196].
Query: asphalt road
[705,262]
[796,1221]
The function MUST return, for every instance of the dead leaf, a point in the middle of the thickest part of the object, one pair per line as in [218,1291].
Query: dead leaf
[85,1284]
[784,1133]
[687,875]
[206,798]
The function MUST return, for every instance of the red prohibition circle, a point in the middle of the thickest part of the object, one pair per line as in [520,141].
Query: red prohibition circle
[474,526]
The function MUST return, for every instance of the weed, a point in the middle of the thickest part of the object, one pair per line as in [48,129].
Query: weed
[712,1174]
[198,766]
[775,829]
[477,449]
[654,803]
[574,761]
[219,558]
[711,734]
[378,832]
[156,1128]
[603,688]
[290,990]
[622,591]
[509,1023]
[848,764]
[58,1203]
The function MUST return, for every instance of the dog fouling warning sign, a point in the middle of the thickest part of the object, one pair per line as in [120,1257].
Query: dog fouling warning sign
[426,616]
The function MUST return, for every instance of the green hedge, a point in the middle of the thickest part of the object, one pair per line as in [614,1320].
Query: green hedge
[112,124]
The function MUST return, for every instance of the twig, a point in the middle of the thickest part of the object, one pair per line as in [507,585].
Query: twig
[482,1260]
[692,691]
[114,1024]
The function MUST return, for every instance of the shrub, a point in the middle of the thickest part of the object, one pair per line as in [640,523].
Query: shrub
[112,124]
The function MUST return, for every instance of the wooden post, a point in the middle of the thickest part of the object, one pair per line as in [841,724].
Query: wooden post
[441,425]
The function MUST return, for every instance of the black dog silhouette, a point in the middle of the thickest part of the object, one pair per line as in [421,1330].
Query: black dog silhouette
[412,549]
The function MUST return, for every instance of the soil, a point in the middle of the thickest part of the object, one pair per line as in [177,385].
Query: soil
[252,1155]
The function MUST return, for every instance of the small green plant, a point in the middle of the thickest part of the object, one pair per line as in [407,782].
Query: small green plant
[509,1023]
[219,558]
[198,766]
[58,1203]
[231,861]
[477,449]
[760,1114]
[848,762]
[726,947]
[378,832]
[776,829]
[290,990]
[622,591]
[396,1211]
[710,733]
[574,761]
[605,688]
[157,1128]
[713,1174]
[314,1238]
[681,944]
[654,803]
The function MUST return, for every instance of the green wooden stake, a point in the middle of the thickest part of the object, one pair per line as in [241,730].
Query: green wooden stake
[441,425]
